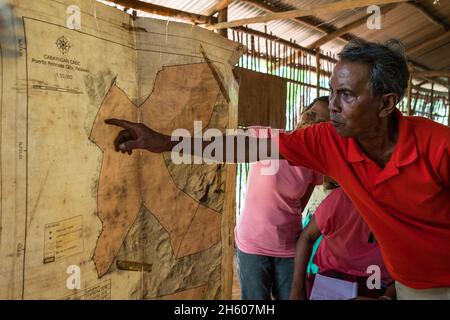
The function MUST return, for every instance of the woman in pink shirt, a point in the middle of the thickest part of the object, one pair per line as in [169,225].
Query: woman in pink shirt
[270,223]
[348,251]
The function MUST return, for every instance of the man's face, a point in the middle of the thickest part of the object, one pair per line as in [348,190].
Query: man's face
[317,113]
[353,109]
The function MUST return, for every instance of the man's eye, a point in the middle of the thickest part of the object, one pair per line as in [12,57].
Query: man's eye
[345,94]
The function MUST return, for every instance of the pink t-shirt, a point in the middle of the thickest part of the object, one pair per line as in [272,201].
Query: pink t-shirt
[270,222]
[348,246]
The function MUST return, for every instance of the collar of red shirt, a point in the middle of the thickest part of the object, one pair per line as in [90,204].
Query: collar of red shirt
[405,151]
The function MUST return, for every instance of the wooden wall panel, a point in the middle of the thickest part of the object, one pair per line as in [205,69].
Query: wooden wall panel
[262,99]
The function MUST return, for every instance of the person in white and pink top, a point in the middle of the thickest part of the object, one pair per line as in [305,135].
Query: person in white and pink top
[269,224]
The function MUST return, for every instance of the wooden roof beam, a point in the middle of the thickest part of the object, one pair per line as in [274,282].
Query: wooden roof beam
[219,6]
[421,83]
[343,30]
[431,74]
[429,15]
[310,22]
[164,11]
[430,80]
[202,19]
[428,43]
[420,68]
[312,10]
[424,90]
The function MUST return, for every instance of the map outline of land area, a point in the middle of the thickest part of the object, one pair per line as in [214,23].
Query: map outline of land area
[103,145]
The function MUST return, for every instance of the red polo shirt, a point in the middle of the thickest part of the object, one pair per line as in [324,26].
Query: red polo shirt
[406,204]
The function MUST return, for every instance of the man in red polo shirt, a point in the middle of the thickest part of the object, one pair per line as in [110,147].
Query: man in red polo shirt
[395,169]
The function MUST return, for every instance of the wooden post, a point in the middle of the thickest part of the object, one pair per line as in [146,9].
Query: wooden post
[448,102]
[409,92]
[229,211]
[223,17]
[431,101]
[318,70]
[416,98]
[408,97]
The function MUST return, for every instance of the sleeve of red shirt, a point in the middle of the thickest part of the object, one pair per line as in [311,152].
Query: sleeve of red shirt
[317,178]
[306,147]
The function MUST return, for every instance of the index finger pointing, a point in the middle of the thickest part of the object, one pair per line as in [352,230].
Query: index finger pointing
[121,123]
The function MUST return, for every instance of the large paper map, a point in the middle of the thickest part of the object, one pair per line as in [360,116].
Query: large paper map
[79,220]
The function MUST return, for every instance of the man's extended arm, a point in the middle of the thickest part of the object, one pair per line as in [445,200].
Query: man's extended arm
[234,148]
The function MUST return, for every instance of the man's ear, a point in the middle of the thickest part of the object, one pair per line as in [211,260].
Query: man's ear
[388,103]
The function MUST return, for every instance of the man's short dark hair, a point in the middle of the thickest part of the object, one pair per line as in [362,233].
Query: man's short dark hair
[388,61]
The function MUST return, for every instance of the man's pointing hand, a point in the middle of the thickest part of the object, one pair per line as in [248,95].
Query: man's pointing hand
[138,136]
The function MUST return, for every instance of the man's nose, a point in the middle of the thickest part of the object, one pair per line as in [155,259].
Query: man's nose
[334,104]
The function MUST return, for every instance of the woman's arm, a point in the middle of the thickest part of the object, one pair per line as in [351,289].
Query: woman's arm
[305,199]
[304,248]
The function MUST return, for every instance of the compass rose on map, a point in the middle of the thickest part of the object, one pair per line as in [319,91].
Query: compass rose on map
[63,44]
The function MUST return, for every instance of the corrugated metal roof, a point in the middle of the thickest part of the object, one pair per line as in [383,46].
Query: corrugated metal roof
[405,23]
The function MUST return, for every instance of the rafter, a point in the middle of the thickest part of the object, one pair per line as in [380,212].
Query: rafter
[432,74]
[202,19]
[309,21]
[312,10]
[348,27]
[420,68]
[220,5]
[428,43]
[429,15]
[164,11]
